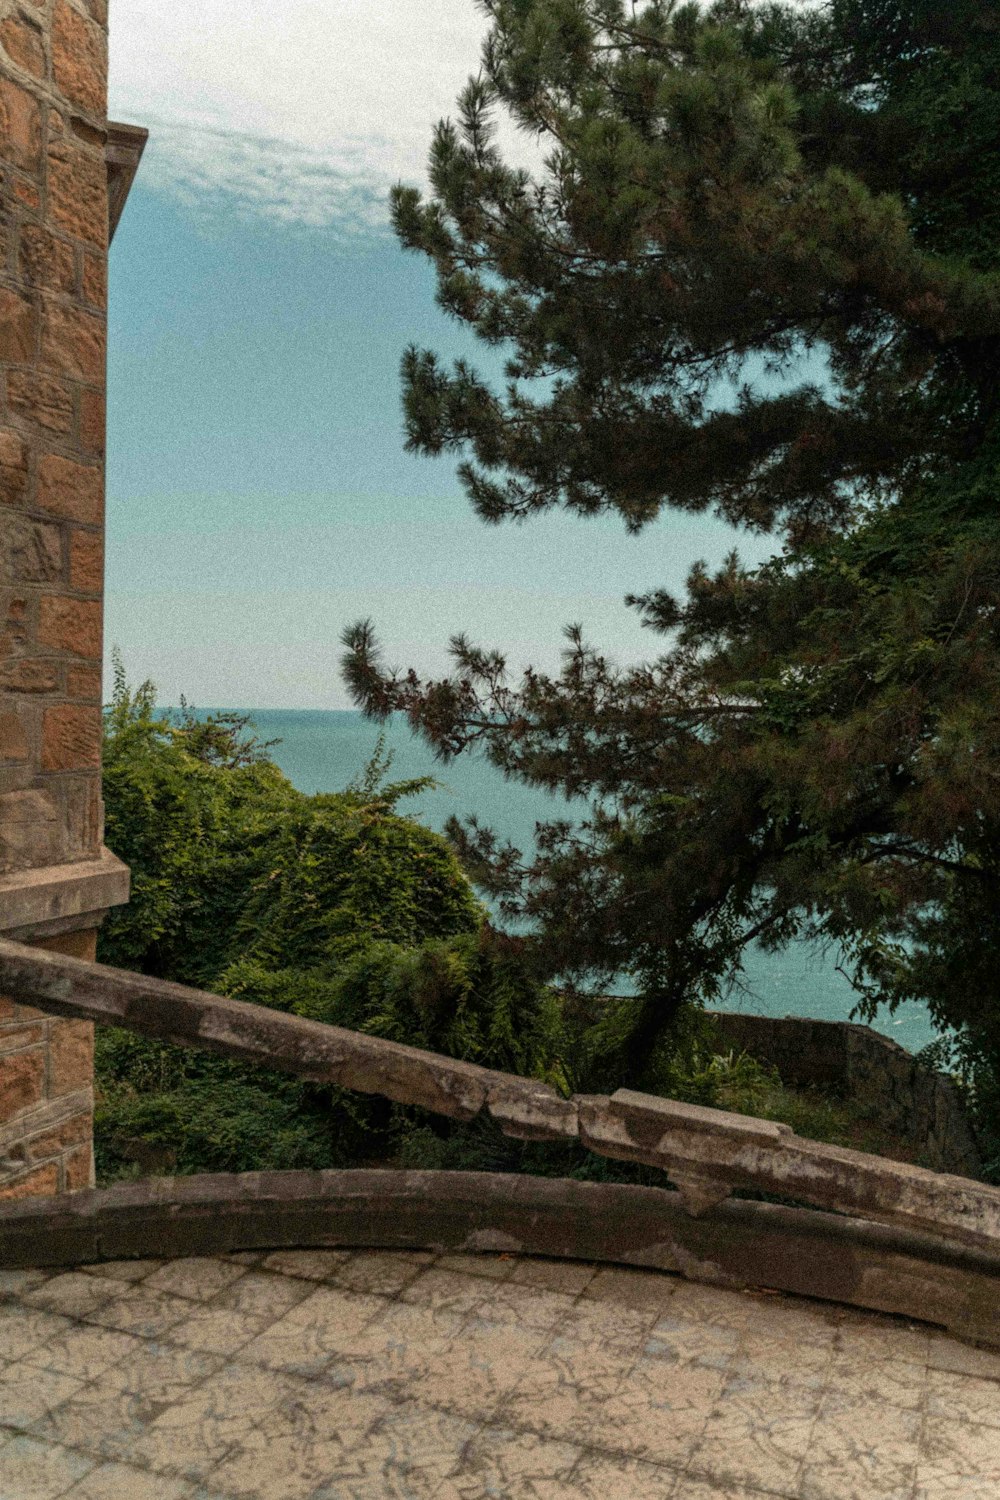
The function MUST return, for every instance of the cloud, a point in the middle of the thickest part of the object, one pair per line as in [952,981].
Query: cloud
[306,111]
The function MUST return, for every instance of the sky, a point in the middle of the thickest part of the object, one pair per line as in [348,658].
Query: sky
[259,495]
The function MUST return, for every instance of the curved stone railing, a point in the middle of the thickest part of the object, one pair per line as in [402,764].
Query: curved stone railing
[705,1153]
[742,1245]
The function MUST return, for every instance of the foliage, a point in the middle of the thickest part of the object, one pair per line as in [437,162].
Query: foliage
[332,906]
[759,274]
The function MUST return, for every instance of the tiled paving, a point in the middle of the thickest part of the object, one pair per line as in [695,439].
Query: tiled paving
[328,1375]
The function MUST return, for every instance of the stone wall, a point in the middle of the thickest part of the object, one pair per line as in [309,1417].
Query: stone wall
[56,880]
[53,127]
[922,1107]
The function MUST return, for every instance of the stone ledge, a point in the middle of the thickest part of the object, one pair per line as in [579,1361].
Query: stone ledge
[59,898]
[744,1245]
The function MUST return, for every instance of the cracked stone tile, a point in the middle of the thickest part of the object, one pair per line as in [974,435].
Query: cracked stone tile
[700,1489]
[147,1314]
[122,1270]
[317,1332]
[27,1393]
[567,1276]
[449,1291]
[23,1329]
[381,1273]
[161,1372]
[963,1398]
[421,1443]
[659,1412]
[588,1361]
[873,1340]
[680,1339]
[239,1314]
[544,1401]
[310,1265]
[644,1291]
[32,1470]
[498,1461]
[196,1277]
[13,1283]
[609,1325]
[600,1476]
[244,1410]
[491,1266]
[756,1440]
[122,1482]
[473,1374]
[84,1351]
[72,1294]
[861,1449]
[947,1353]
[99,1420]
[896,1383]
[695,1302]
[957,1461]
[293,1468]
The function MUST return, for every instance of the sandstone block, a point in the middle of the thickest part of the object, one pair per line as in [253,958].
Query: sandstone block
[75,1131]
[70,624]
[13,468]
[16,623]
[71,737]
[13,737]
[84,683]
[45,260]
[95,279]
[20,126]
[79,944]
[79,59]
[69,489]
[78,192]
[22,42]
[71,1057]
[29,675]
[86,561]
[78,1169]
[15,1036]
[35,552]
[26,191]
[40,399]
[40,1183]
[17,327]
[73,342]
[22,1080]
[92,418]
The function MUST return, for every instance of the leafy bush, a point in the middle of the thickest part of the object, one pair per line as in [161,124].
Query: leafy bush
[332,906]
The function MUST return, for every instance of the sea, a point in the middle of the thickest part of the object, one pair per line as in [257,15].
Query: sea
[323,750]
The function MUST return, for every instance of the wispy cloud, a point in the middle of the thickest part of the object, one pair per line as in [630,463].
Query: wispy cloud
[304,112]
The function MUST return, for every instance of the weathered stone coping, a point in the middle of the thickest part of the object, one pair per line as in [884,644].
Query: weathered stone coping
[704,1152]
[742,1244]
[45,901]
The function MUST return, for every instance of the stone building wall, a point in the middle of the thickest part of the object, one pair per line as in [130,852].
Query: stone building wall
[56,880]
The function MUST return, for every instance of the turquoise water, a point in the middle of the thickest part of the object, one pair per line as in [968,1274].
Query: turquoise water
[321,751]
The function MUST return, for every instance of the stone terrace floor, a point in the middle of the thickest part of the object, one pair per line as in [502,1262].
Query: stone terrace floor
[326,1375]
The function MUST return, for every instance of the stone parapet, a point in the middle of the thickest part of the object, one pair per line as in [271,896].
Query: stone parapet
[706,1153]
[741,1245]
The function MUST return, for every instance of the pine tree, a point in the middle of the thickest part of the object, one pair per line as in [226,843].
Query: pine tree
[733,191]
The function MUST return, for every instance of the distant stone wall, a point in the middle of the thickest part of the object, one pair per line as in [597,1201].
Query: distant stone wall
[921,1106]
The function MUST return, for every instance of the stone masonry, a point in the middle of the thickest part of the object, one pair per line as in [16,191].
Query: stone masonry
[59,164]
